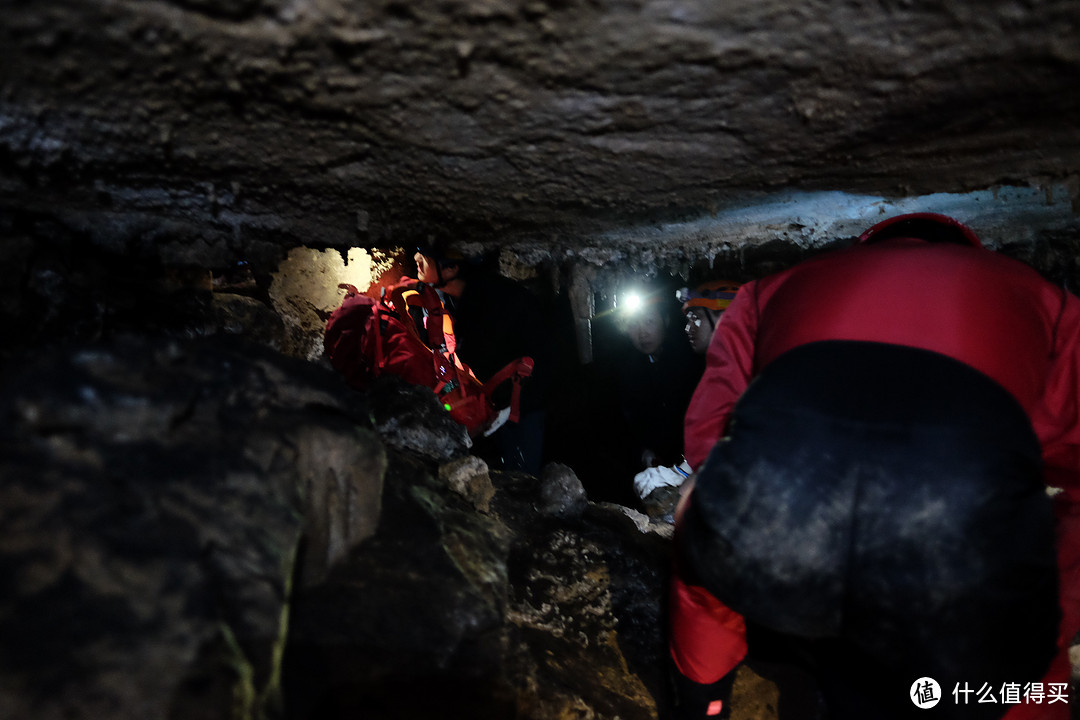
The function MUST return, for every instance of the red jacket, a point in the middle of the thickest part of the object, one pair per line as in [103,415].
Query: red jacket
[984,309]
[988,311]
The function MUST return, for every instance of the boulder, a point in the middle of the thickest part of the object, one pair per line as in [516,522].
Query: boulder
[209,529]
[154,496]
[452,612]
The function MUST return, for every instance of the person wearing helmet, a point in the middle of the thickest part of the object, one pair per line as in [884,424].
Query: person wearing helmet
[873,437]
[703,307]
[495,321]
[655,379]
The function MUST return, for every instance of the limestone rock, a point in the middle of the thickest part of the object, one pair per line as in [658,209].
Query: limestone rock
[448,612]
[409,417]
[304,291]
[660,504]
[193,131]
[412,625]
[207,529]
[470,478]
[342,484]
[234,314]
[586,600]
[561,492]
[153,497]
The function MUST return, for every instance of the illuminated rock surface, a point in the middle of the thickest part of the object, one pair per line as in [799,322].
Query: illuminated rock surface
[203,132]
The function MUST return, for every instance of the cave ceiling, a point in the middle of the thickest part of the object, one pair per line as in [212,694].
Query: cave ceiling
[206,131]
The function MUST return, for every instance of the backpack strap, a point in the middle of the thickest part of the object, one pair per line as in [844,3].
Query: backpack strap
[412,294]
[513,371]
[403,296]
[429,300]
[447,370]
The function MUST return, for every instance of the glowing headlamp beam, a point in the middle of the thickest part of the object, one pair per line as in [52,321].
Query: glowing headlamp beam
[633,302]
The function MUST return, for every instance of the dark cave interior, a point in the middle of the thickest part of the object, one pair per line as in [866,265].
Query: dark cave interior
[202,521]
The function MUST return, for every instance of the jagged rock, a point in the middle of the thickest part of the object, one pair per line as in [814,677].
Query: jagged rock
[561,492]
[304,291]
[660,503]
[619,138]
[470,478]
[570,657]
[586,599]
[153,496]
[410,418]
[448,612]
[234,314]
[413,624]
[170,509]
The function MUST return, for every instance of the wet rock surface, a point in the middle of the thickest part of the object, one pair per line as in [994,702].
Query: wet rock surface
[153,497]
[208,529]
[201,132]
[513,613]
[56,290]
[410,418]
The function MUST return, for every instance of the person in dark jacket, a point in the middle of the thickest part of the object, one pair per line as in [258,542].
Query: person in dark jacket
[873,437]
[655,381]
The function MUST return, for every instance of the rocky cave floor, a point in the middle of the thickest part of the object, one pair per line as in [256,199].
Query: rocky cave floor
[198,526]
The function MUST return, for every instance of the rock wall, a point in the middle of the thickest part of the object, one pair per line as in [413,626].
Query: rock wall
[459,612]
[154,499]
[210,132]
[205,528]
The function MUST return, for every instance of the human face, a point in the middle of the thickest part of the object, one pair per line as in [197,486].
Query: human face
[699,329]
[646,330]
[427,270]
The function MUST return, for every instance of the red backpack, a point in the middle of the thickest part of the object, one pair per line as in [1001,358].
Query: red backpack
[366,338]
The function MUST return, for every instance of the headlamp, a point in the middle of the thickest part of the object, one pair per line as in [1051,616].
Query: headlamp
[633,302]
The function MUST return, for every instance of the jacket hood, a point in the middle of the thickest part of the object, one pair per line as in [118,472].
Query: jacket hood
[932,227]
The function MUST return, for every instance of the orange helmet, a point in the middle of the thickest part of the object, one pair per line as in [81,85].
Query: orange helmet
[713,295]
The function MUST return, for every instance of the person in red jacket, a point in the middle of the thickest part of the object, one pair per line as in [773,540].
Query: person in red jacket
[873,437]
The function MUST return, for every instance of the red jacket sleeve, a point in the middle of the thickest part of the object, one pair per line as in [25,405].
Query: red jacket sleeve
[728,368]
[1056,419]
[707,638]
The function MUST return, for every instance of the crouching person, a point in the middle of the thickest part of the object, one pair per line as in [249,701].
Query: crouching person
[871,510]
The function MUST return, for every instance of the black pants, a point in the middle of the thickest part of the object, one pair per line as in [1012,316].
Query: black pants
[880,511]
